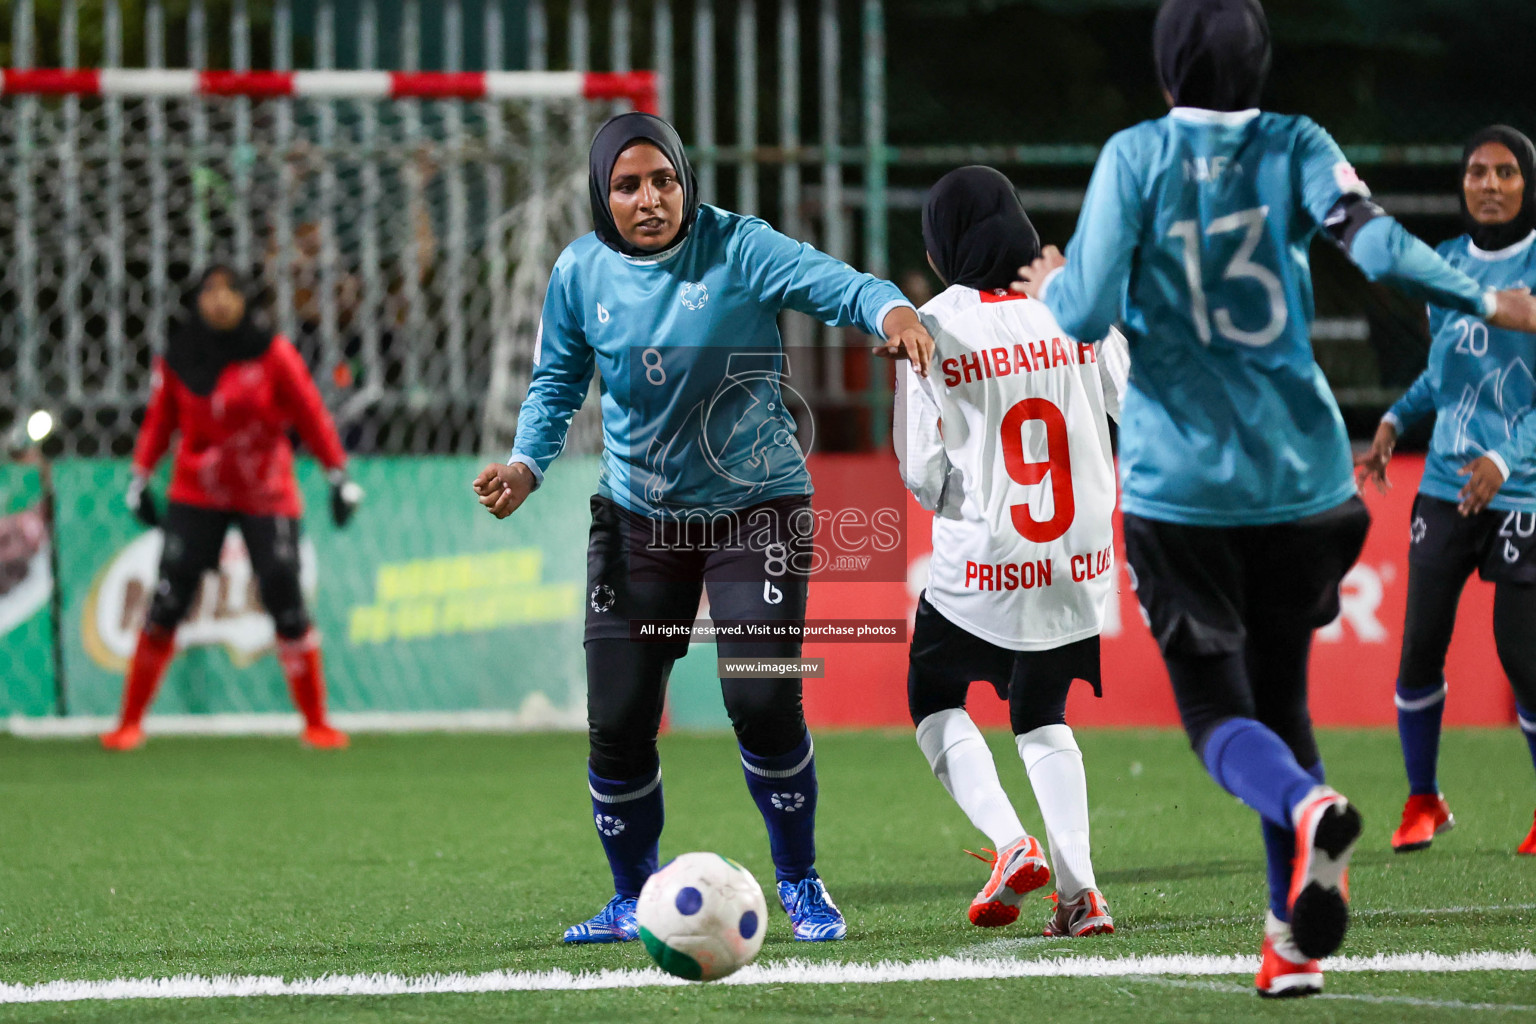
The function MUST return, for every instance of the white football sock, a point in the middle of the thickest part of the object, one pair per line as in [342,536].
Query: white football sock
[1055,768]
[960,760]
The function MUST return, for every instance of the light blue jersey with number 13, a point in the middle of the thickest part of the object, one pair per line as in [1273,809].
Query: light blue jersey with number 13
[1194,235]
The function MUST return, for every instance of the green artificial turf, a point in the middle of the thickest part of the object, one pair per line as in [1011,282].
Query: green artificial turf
[422,854]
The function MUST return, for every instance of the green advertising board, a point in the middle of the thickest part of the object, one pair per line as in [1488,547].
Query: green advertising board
[425,603]
[26,588]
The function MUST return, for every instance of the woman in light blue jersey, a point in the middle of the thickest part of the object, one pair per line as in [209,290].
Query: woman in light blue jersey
[1240,510]
[676,304]
[1476,506]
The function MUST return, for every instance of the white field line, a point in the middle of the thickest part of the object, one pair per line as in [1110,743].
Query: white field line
[1354,997]
[1003,947]
[789,972]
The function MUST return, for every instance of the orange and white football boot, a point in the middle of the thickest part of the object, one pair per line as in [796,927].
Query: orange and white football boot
[1087,913]
[1286,971]
[1017,869]
[1327,829]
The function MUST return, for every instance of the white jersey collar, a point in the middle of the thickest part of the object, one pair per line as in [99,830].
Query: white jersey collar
[1500,254]
[1225,118]
[656,259]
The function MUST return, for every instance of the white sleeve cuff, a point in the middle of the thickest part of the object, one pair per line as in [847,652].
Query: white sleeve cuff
[1498,460]
[1045,285]
[1391,417]
[538,474]
[1490,303]
[885,311]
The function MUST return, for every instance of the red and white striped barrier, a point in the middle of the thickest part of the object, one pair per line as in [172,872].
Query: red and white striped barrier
[639,87]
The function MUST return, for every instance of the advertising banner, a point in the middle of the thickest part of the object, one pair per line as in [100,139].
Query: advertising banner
[425,603]
[26,589]
[1354,660]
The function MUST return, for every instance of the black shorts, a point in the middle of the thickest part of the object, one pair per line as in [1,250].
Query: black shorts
[1201,585]
[754,561]
[1500,544]
[946,658]
[194,537]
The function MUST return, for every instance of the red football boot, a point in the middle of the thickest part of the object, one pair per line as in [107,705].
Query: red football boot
[151,655]
[300,659]
[124,737]
[1529,846]
[1425,816]
[324,737]
[1286,971]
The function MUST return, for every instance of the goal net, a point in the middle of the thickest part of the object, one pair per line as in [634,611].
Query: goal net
[398,228]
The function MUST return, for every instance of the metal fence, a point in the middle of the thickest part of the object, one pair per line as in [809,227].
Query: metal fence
[783,103]
[368,225]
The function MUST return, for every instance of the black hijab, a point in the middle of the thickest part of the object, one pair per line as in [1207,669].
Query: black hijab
[197,353]
[976,229]
[612,139]
[1212,54]
[1492,237]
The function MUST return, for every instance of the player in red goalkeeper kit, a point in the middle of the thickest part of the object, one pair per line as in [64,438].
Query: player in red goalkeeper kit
[232,391]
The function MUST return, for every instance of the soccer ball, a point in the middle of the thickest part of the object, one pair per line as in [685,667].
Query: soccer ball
[702,916]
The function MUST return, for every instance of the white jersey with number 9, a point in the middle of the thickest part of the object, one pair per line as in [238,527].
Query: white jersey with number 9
[1007,442]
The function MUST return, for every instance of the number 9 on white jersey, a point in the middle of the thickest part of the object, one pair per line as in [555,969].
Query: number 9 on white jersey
[1007,442]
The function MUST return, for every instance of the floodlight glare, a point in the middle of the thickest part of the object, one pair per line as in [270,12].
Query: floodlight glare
[39,425]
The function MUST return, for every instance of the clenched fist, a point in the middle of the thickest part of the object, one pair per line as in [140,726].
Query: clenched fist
[502,488]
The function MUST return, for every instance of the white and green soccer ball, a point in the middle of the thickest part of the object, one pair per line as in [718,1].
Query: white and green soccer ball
[702,916]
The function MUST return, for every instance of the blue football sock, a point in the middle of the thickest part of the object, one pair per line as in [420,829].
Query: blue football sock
[784,788]
[1528,727]
[1280,855]
[1418,730]
[628,815]
[1253,764]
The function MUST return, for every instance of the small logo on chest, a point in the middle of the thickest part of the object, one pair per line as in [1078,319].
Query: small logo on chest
[694,295]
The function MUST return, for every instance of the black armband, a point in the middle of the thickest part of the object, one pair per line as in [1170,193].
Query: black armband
[1352,212]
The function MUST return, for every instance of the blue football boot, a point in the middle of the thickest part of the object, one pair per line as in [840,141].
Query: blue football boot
[614,923]
[812,914]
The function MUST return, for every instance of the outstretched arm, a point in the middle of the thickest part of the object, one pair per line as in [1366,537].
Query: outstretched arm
[1384,251]
[1085,294]
[787,274]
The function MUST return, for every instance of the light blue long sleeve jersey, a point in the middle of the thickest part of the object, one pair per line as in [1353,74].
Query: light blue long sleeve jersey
[1194,235]
[1479,384]
[693,370]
